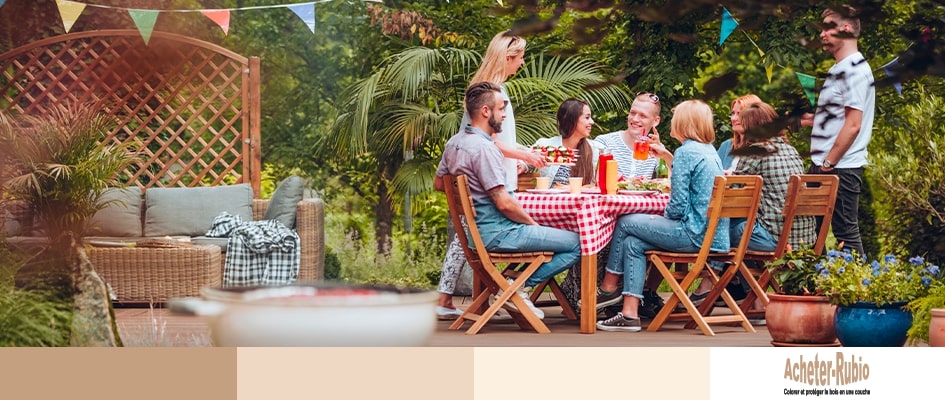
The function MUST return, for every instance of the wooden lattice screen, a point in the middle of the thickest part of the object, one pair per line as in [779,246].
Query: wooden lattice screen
[190,107]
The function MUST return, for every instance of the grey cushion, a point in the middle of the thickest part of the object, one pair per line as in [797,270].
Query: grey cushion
[190,211]
[283,204]
[121,216]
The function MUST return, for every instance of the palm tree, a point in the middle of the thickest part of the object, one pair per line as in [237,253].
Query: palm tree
[404,113]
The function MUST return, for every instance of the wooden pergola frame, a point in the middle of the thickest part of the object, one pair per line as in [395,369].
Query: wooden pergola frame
[190,107]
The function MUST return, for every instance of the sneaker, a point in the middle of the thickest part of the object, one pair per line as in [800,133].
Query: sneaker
[697,299]
[447,313]
[619,323]
[651,304]
[606,299]
[523,293]
[757,321]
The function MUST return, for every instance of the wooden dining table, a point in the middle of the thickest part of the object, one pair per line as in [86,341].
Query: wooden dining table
[593,216]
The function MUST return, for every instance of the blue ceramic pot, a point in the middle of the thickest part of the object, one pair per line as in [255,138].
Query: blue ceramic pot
[866,325]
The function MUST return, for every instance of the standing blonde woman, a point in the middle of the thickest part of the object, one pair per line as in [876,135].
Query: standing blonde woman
[503,58]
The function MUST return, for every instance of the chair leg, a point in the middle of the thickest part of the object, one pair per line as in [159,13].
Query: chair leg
[679,295]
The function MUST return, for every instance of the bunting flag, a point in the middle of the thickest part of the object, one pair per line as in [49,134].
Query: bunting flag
[220,17]
[769,71]
[1,2]
[69,11]
[305,11]
[144,20]
[728,25]
[890,69]
[808,82]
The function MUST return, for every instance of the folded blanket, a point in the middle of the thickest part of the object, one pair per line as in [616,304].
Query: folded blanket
[258,252]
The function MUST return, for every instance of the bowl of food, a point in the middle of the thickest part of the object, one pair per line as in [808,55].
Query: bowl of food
[307,315]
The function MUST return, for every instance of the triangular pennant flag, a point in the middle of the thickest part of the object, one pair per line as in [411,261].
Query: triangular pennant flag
[69,11]
[808,82]
[769,71]
[1,2]
[144,20]
[221,17]
[890,69]
[728,25]
[306,11]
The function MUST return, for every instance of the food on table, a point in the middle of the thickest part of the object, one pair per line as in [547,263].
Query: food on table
[556,155]
[639,183]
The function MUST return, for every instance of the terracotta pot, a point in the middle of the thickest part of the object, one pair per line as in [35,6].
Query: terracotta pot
[937,328]
[800,319]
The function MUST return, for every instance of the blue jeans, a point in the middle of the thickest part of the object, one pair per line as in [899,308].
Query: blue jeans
[565,244]
[633,236]
[761,239]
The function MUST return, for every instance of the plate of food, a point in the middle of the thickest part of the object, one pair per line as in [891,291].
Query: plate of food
[557,155]
[590,190]
[547,191]
[643,184]
[637,192]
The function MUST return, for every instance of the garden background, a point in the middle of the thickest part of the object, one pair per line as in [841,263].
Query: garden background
[361,96]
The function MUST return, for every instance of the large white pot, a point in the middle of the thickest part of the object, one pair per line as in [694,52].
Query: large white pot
[314,315]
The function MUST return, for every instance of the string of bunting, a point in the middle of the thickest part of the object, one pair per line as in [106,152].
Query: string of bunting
[808,82]
[145,19]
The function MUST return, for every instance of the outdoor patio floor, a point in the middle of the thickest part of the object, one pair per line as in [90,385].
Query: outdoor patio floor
[157,327]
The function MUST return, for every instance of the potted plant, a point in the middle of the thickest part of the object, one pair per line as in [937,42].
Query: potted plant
[798,313]
[928,312]
[871,297]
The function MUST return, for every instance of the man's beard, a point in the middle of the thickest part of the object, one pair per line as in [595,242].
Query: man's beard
[496,125]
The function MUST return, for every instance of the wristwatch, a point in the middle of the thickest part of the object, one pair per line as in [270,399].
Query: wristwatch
[827,163]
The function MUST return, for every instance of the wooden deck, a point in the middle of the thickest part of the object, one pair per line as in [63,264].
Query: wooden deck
[157,327]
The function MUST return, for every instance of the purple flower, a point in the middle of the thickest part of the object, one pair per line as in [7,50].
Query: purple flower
[848,257]
[917,260]
[890,259]
[866,281]
[820,267]
[926,281]
[833,253]
[876,272]
[932,269]
[840,270]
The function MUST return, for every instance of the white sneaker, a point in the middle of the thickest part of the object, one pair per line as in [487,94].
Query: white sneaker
[523,293]
[447,313]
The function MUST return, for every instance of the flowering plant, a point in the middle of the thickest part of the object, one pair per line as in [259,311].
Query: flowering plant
[847,278]
[796,272]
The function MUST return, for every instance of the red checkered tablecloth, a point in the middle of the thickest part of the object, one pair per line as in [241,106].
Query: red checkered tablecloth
[592,216]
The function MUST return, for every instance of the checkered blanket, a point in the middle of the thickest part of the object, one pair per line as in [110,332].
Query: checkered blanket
[258,252]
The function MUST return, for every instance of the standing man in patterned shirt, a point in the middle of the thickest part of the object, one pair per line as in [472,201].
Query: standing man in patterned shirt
[843,123]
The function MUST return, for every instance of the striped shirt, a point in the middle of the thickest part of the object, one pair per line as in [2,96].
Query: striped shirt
[626,164]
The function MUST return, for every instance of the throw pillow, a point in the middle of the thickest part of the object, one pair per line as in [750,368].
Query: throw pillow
[121,216]
[284,202]
[190,211]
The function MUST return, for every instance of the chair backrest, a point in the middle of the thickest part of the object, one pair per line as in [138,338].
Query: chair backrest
[735,196]
[454,200]
[809,195]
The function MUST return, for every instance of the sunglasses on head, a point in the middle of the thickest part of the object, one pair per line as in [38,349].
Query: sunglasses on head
[511,42]
[654,98]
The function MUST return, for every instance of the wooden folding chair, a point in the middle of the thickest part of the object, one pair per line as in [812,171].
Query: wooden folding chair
[732,197]
[485,266]
[807,195]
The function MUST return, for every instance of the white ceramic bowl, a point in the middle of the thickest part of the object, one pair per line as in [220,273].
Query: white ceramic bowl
[314,315]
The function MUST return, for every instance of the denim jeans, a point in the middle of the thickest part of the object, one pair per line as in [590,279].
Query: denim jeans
[761,240]
[846,212]
[565,244]
[633,236]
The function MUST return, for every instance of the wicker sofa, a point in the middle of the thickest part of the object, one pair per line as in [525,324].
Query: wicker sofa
[150,268]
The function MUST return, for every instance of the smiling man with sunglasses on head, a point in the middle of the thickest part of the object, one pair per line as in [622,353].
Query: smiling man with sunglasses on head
[644,116]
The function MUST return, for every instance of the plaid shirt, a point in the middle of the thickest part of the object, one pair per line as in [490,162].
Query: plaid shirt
[258,252]
[776,161]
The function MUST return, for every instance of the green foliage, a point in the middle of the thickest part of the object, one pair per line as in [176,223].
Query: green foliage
[796,272]
[30,317]
[59,163]
[846,278]
[907,159]
[921,309]
[332,266]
